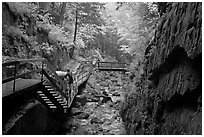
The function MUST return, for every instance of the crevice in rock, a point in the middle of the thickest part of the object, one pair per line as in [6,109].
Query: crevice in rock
[188,100]
[169,64]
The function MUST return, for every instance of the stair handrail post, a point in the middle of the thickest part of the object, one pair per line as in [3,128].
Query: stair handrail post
[82,77]
[42,71]
[14,82]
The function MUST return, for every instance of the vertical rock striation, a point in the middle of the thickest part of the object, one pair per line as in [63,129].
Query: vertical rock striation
[172,103]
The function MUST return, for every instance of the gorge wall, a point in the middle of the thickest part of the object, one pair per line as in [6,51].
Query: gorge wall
[170,98]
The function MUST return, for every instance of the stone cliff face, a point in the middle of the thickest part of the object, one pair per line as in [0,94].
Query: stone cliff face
[173,72]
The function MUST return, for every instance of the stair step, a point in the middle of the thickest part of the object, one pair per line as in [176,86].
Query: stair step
[56,94]
[53,92]
[50,104]
[50,89]
[52,107]
[41,94]
[48,86]
[46,99]
[58,97]
[63,102]
[64,106]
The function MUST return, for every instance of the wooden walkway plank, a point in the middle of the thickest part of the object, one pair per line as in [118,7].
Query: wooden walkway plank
[112,66]
[7,88]
[33,84]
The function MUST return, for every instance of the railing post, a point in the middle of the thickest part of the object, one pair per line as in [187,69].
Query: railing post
[14,82]
[42,71]
[82,77]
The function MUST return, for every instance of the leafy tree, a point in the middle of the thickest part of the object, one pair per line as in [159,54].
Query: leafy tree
[134,24]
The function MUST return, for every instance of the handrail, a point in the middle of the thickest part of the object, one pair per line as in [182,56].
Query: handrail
[12,78]
[54,84]
[31,60]
[13,62]
[62,88]
[23,61]
[83,75]
[51,68]
[9,63]
[16,63]
[111,65]
[111,62]
[81,78]
[59,84]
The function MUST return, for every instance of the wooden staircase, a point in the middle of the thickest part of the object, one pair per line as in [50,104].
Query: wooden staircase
[51,98]
[51,90]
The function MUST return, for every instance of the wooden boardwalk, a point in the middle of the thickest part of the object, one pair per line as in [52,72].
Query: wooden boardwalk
[51,90]
[21,84]
[111,66]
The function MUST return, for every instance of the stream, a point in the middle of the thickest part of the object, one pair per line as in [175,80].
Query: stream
[96,110]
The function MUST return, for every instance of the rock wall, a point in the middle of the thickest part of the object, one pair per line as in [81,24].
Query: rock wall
[172,91]
[32,119]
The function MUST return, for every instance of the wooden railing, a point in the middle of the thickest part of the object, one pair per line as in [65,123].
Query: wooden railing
[77,80]
[16,64]
[58,83]
[49,71]
[111,65]
[46,70]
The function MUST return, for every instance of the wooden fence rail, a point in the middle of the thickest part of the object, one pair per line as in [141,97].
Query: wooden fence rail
[48,71]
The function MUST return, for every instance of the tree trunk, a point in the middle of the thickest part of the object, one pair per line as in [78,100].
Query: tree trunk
[62,12]
[75,32]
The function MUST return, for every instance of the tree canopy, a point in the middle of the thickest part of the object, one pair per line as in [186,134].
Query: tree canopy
[120,30]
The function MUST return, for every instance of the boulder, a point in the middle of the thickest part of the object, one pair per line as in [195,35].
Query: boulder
[105,93]
[76,104]
[96,120]
[106,99]
[104,84]
[83,116]
[116,94]
[75,111]
[81,99]
[93,99]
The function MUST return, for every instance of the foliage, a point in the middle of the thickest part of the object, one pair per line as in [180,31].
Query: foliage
[133,23]
[21,8]
[118,30]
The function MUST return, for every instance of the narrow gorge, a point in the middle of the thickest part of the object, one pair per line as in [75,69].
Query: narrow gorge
[172,80]
[102,68]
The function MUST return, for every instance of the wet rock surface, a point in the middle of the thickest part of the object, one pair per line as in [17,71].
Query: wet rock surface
[97,111]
